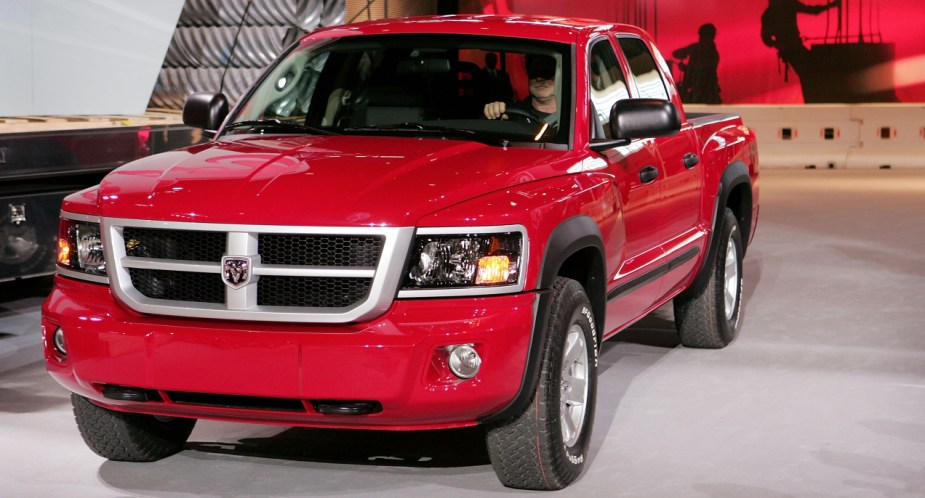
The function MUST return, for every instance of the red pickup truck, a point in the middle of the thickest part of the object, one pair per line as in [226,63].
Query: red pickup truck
[360,246]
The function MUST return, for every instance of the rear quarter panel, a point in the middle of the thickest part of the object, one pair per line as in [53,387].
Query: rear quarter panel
[725,140]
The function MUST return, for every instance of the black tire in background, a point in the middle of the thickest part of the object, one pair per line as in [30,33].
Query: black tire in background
[545,447]
[129,437]
[27,244]
[708,317]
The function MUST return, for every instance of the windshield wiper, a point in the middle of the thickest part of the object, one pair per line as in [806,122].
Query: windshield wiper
[422,129]
[412,128]
[276,124]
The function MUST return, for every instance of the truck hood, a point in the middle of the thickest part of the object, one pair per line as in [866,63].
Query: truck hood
[318,180]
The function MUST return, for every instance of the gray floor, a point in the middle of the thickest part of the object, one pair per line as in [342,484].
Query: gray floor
[822,393]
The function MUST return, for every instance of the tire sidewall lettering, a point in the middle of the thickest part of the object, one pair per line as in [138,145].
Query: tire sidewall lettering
[594,346]
[575,460]
[575,454]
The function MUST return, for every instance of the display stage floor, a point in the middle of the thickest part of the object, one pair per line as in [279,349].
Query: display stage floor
[822,393]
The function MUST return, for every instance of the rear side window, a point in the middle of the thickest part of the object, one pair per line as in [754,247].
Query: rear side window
[642,64]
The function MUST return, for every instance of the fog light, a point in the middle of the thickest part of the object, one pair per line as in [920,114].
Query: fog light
[58,340]
[464,361]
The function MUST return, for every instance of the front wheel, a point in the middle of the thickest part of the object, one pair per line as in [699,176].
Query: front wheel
[709,316]
[545,447]
[129,437]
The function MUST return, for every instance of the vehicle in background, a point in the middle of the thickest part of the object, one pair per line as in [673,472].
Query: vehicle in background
[45,158]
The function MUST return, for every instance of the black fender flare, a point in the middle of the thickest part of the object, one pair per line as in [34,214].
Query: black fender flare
[735,174]
[569,237]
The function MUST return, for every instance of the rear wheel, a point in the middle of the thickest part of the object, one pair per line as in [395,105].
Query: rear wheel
[708,318]
[129,437]
[546,446]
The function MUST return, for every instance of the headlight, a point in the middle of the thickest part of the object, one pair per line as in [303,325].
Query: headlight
[80,247]
[469,260]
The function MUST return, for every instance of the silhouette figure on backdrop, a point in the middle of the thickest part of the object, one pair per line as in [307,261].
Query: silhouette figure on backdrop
[493,84]
[700,83]
[779,30]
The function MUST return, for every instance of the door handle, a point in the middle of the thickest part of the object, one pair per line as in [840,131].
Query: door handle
[648,174]
[691,160]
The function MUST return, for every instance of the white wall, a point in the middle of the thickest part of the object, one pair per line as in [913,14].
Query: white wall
[862,135]
[82,56]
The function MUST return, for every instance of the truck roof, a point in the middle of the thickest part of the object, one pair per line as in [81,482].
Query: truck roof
[551,28]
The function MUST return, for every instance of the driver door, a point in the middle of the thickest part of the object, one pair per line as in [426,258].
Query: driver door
[636,187]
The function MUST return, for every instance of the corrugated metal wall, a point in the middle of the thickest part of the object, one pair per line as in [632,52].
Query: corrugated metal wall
[205,33]
[203,40]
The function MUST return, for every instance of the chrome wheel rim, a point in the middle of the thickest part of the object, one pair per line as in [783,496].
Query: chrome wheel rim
[574,396]
[731,287]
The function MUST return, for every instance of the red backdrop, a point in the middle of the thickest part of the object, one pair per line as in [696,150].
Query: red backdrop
[749,71]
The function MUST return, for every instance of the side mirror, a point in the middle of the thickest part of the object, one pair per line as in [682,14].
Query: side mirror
[643,118]
[205,110]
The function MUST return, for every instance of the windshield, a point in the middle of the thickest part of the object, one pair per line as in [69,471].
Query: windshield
[419,85]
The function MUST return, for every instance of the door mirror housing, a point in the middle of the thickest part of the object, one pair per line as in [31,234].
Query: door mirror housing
[205,110]
[644,118]
[639,118]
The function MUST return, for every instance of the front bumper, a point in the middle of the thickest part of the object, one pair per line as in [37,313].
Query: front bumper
[277,373]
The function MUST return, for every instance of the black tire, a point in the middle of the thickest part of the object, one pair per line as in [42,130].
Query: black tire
[536,450]
[129,437]
[708,317]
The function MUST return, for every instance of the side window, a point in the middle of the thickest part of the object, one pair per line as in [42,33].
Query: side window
[607,85]
[642,64]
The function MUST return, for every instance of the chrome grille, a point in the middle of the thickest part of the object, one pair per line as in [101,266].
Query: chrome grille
[302,274]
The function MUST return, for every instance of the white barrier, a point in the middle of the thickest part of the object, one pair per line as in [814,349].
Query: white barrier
[833,135]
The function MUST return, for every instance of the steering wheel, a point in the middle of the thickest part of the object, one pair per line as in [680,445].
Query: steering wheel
[526,115]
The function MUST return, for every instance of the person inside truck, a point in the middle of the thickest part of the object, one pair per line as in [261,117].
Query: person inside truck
[493,84]
[542,101]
